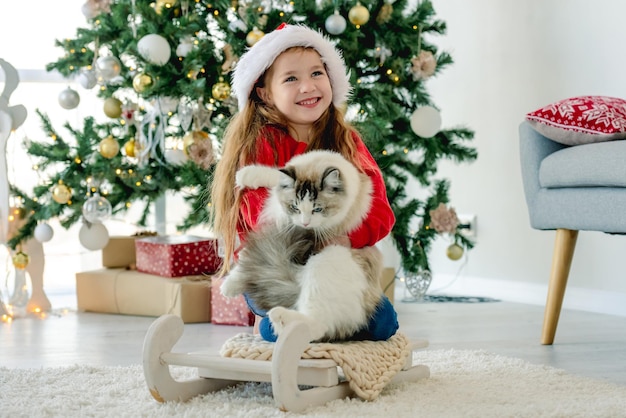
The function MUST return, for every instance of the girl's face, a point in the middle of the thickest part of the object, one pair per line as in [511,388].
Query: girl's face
[298,86]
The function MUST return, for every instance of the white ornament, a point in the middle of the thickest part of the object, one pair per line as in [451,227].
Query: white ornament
[43,232]
[108,67]
[185,47]
[426,121]
[87,79]
[237,25]
[69,98]
[90,10]
[93,236]
[335,24]
[175,157]
[154,49]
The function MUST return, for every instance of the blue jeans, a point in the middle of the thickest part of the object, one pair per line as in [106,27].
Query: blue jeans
[382,325]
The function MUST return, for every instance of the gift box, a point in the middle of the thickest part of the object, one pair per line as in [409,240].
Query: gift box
[228,311]
[130,292]
[177,255]
[119,252]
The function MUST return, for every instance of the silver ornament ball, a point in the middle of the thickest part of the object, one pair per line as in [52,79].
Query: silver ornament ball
[96,209]
[108,67]
[335,24]
[69,98]
[87,79]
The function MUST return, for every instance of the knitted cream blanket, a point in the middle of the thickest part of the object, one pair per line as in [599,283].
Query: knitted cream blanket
[368,366]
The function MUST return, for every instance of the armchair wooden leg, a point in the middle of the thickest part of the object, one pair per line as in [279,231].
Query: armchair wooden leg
[564,246]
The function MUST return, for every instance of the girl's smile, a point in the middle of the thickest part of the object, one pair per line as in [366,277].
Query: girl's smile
[298,86]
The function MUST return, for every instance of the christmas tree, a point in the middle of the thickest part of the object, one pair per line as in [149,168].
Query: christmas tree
[162,70]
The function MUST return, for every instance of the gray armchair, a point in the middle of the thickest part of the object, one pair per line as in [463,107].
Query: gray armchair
[571,189]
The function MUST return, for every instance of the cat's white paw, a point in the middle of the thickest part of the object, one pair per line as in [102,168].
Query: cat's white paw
[231,287]
[255,176]
[280,317]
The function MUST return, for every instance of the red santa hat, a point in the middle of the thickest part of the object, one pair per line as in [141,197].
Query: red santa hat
[262,54]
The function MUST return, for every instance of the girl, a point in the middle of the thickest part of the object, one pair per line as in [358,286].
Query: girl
[290,87]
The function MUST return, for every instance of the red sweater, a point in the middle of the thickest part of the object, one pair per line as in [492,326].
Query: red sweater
[376,225]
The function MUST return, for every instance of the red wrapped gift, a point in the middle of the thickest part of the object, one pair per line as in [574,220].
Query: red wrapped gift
[177,255]
[229,311]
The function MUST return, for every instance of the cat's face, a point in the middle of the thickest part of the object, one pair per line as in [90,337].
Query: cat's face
[313,200]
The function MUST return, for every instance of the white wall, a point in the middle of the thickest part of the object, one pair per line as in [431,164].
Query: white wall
[510,58]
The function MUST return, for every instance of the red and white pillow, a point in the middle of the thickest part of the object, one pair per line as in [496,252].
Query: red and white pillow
[581,120]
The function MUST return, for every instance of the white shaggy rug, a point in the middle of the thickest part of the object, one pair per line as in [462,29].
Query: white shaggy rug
[462,384]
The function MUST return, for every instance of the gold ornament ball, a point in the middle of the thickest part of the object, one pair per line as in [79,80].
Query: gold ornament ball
[159,5]
[112,108]
[254,36]
[221,90]
[454,252]
[20,260]
[109,147]
[129,148]
[191,138]
[359,15]
[61,194]
[141,82]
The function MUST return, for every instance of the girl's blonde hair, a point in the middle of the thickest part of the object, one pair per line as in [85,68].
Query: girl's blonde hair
[331,132]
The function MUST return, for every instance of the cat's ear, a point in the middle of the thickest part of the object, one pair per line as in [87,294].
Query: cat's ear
[332,179]
[287,178]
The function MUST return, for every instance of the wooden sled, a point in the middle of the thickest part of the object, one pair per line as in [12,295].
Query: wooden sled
[286,371]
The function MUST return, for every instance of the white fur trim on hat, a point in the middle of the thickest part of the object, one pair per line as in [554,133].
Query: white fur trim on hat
[262,54]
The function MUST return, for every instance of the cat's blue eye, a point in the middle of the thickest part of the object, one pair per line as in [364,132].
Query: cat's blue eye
[317,210]
[294,208]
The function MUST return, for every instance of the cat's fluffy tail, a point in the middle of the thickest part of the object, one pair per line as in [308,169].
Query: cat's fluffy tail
[269,263]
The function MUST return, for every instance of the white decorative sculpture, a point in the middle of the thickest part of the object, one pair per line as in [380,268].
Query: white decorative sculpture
[11,118]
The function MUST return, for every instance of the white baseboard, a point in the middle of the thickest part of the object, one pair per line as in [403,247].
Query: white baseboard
[576,298]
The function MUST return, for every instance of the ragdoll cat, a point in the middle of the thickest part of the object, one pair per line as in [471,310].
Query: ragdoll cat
[290,266]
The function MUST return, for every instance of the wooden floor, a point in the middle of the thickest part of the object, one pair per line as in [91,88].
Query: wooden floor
[586,344]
